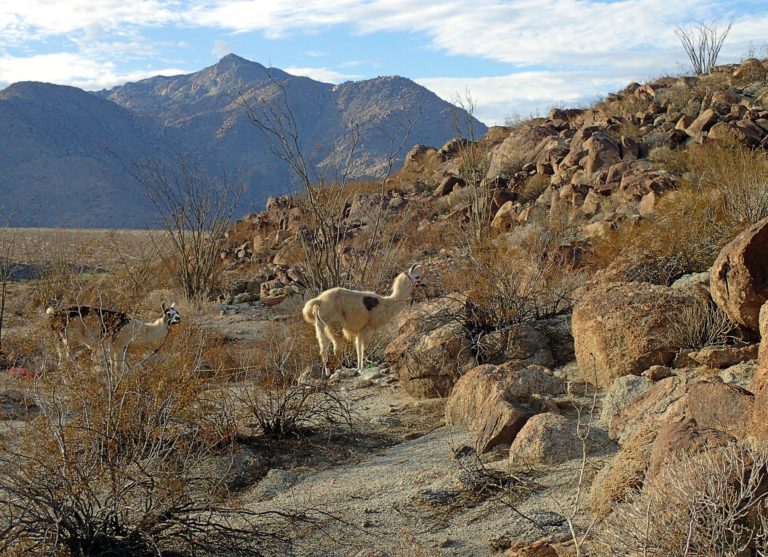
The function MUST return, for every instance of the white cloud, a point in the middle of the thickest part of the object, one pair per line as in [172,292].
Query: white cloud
[325,75]
[71,69]
[221,48]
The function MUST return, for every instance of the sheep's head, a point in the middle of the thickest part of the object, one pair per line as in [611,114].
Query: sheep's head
[170,315]
[415,275]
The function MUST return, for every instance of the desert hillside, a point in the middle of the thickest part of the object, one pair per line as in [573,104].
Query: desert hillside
[553,348]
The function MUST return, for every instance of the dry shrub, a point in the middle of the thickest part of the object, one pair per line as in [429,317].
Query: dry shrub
[514,279]
[725,193]
[685,237]
[701,325]
[275,398]
[116,465]
[738,173]
[711,504]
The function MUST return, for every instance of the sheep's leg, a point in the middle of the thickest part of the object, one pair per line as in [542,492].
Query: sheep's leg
[360,348]
[324,343]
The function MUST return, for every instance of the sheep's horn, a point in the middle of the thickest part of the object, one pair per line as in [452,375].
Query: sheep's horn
[413,268]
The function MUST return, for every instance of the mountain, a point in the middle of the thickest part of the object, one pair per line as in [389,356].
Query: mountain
[64,156]
[67,156]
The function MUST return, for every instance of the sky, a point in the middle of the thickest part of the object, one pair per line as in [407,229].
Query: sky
[513,58]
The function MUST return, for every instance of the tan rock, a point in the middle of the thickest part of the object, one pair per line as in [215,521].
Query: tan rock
[480,402]
[537,549]
[702,123]
[749,71]
[683,438]
[546,439]
[715,405]
[721,358]
[624,328]
[739,276]
[506,217]
[759,386]
[428,355]
[602,152]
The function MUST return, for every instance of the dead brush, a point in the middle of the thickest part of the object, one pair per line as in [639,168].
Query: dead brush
[276,400]
[711,504]
[116,464]
[505,285]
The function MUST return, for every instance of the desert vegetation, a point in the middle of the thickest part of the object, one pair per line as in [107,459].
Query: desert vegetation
[579,371]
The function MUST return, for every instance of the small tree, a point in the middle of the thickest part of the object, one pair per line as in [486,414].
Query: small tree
[702,43]
[473,166]
[327,192]
[196,211]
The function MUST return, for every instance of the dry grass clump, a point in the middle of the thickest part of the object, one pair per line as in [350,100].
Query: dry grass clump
[701,325]
[511,280]
[712,504]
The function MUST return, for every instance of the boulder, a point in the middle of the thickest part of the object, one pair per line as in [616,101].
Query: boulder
[506,217]
[682,438]
[546,439]
[662,403]
[715,405]
[723,357]
[702,123]
[480,401]
[520,141]
[739,276]
[621,393]
[749,71]
[759,386]
[602,152]
[521,343]
[624,328]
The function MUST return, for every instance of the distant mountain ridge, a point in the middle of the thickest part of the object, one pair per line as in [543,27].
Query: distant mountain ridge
[66,155]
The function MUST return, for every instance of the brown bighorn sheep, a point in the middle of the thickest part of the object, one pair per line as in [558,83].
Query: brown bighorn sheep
[357,315]
[95,328]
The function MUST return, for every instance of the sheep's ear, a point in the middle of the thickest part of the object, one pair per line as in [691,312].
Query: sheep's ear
[163,306]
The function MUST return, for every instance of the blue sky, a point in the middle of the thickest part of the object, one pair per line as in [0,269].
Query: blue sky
[515,57]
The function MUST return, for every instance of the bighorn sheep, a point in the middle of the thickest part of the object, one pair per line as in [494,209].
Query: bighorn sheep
[357,315]
[95,328]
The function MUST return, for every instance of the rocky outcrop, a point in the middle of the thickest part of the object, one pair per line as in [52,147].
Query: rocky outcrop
[683,438]
[480,402]
[496,401]
[624,328]
[739,276]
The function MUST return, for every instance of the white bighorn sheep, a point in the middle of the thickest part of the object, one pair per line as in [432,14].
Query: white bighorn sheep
[96,328]
[357,315]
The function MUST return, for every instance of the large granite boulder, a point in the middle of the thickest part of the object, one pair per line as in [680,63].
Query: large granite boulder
[739,276]
[625,328]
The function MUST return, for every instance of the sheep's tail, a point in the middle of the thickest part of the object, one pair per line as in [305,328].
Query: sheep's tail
[310,310]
